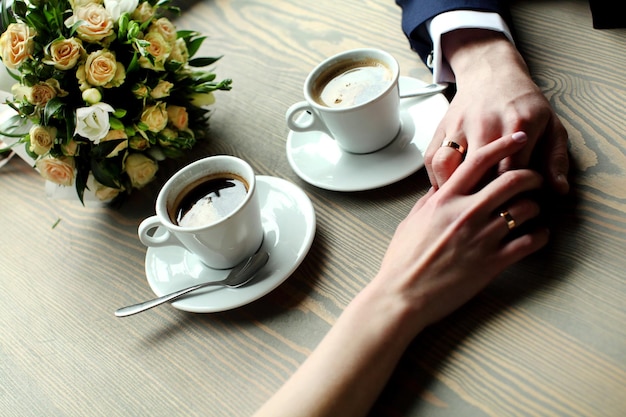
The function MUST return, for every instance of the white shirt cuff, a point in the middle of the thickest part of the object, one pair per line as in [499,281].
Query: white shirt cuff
[459,19]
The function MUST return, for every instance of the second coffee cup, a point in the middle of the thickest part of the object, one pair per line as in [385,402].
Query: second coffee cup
[354,98]
[211,208]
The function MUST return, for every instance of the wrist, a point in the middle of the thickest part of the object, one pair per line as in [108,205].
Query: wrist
[391,311]
[478,53]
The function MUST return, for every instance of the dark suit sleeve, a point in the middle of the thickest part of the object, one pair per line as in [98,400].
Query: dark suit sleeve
[415,13]
[606,14]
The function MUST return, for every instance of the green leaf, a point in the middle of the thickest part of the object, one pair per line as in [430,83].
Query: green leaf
[52,107]
[82,175]
[107,171]
[119,113]
[11,127]
[7,17]
[134,64]
[19,8]
[193,45]
[102,149]
[116,124]
[202,62]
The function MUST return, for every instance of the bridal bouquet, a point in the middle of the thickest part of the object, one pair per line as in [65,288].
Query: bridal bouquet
[105,90]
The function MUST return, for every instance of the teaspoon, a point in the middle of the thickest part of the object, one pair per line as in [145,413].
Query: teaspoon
[423,91]
[238,276]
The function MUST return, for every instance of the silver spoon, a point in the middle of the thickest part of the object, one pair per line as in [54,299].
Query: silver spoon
[423,91]
[238,276]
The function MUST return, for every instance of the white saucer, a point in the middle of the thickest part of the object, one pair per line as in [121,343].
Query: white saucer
[289,222]
[317,159]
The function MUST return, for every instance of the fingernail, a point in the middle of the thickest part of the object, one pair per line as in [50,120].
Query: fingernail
[519,137]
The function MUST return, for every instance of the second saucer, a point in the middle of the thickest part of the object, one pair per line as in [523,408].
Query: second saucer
[317,159]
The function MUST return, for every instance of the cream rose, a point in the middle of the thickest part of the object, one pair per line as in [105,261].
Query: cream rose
[143,13]
[57,170]
[178,116]
[93,122]
[165,28]
[139,143]
[64,54]
[159,49]
[103,70]
[42,138]
[162,90]
[179,52]
[155,117]
[43,92]
[141,91]
[140,169]
[104,193]
[16,44]
[96,25]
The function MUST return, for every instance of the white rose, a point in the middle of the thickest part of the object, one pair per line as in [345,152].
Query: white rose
[116,8]
[93,122]
[79,3]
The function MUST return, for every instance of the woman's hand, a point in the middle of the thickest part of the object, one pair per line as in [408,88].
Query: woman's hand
[448,248]
[454,241]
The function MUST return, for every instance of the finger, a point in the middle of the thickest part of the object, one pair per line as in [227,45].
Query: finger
[512,216]
[465,179]
[433,146]
[423,200]
[520,159]
[557,158]
[507,186]
[447,158]
[524,245]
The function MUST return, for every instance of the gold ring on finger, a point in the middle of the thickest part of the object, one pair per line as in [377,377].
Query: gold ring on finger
[457,147]
[510,221]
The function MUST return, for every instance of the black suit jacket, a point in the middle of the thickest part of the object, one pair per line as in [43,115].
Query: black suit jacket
[606,15]
[415,13]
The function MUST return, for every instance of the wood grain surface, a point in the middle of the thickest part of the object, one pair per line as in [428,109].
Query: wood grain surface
[548,338]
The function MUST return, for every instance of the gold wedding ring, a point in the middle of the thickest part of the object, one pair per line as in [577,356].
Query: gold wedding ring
[510,221]
[450,144]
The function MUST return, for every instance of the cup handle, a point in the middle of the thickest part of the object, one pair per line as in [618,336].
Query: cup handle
[313,122]
[146,234]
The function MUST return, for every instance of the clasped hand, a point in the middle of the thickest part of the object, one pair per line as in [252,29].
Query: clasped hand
[454,241]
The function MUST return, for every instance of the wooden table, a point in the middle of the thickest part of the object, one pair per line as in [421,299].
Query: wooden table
[547,338]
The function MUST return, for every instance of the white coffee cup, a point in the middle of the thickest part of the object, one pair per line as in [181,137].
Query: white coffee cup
[220,242]
[363,125]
